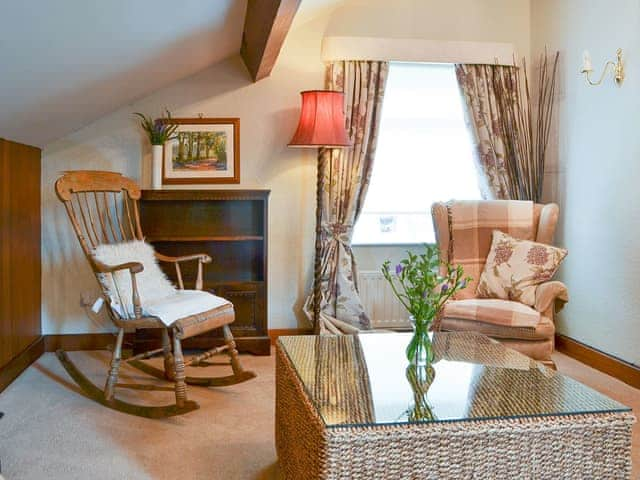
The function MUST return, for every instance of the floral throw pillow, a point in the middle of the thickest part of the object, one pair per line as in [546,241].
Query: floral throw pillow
[514,268]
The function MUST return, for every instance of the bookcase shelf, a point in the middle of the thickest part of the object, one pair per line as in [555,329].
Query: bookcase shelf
[231,227]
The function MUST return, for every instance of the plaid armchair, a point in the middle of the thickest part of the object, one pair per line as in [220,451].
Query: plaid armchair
[464,233]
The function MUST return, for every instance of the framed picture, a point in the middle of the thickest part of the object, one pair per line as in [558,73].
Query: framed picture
[204,150]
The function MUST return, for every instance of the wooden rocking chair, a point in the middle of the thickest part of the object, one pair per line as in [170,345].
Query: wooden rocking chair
[103,209]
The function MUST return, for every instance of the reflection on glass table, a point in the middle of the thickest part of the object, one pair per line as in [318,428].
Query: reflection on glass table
[364,380]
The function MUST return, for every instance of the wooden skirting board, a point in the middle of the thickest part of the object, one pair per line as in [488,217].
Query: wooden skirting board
[99,341]
[617,368]
[15,367]
[73,342]
[592,357]
[283,332]
[87,341]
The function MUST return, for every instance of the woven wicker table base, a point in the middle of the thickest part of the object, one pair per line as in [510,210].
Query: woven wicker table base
[586,446]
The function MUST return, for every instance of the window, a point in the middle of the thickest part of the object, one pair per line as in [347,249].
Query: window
[424,155]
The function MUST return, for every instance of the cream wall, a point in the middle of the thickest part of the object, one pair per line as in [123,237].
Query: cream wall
[268,112]
[469,20]
[594,170]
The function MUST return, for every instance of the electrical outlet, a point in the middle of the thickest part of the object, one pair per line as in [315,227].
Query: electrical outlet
[86,299]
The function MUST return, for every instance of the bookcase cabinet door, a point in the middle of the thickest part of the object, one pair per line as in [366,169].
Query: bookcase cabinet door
[249,302]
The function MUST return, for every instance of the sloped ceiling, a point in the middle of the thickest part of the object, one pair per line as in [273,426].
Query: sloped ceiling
[65,63]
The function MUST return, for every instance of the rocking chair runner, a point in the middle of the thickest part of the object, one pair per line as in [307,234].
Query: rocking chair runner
[103,209]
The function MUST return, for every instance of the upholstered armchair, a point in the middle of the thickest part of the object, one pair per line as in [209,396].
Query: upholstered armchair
[528,329]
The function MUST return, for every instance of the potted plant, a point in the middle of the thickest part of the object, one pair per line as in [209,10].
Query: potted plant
[417,281]
[159,131]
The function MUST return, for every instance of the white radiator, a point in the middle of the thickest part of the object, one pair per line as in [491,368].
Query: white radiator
[380,304]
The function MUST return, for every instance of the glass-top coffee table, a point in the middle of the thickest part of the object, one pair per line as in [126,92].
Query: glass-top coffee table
[350,407]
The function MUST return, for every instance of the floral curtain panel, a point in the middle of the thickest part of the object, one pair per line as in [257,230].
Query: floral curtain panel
[346,178]
[483,118]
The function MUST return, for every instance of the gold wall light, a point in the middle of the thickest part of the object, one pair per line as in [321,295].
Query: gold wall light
[618,68]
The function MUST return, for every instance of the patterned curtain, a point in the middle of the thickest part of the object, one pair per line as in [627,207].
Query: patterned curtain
[347,173]
[483,115]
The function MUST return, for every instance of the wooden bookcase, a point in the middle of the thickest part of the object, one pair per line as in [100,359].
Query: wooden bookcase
[230,226]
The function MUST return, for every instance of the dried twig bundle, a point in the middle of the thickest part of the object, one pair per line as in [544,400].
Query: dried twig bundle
[525,125]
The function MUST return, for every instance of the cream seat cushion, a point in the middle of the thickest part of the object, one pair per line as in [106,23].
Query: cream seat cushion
[504,313]
[543,331]
[183,303]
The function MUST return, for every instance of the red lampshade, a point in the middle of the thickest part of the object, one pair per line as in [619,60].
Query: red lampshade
[322,122]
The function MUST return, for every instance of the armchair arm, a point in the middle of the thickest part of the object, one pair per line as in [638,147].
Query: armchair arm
[202,259]
[134,268]
[550,293]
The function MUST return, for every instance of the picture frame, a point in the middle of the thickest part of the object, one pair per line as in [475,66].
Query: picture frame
[203,151]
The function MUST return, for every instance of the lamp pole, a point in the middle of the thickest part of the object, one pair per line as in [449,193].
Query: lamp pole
[317,262]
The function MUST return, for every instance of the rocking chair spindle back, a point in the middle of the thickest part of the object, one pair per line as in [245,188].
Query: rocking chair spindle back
[102,206]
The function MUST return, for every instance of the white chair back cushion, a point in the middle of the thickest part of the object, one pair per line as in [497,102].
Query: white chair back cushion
[152,283]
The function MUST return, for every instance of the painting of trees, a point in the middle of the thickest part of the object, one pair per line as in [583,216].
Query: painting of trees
[200,150]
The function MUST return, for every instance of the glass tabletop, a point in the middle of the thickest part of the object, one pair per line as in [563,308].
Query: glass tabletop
[366,380]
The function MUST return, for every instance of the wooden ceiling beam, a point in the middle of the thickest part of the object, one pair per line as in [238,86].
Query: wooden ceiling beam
[266,25]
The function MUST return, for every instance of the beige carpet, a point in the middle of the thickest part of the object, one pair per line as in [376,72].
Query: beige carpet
[51,432]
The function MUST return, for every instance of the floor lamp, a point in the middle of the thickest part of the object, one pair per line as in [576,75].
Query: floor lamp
[321,124]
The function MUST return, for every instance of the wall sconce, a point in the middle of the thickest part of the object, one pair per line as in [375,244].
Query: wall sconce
[618,68]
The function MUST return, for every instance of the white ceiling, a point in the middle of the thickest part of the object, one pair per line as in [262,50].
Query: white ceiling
[65,63]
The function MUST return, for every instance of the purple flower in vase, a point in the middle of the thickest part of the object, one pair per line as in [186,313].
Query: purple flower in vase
[444,288]
[399,269]
[158,125]
[463,283]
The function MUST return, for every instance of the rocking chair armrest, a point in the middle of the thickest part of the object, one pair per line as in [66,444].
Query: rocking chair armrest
[133,267]
[202,257]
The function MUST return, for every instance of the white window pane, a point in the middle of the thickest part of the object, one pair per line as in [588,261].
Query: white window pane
[424,155]
[393,228]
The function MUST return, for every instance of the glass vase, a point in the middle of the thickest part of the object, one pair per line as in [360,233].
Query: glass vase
[420,349]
